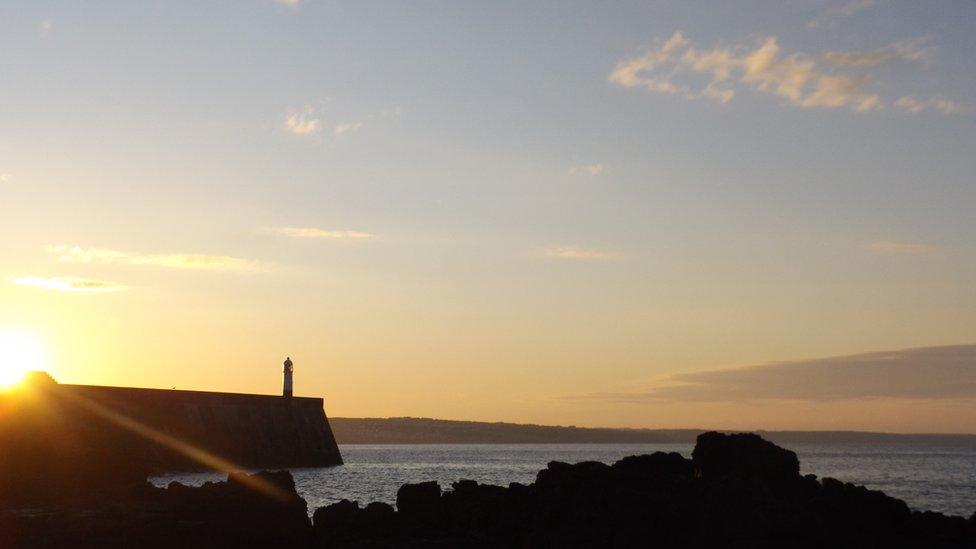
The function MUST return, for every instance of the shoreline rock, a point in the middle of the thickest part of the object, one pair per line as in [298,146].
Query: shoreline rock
[736,491]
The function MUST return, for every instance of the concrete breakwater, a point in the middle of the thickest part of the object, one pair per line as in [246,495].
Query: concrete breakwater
[246,430]
[91,435]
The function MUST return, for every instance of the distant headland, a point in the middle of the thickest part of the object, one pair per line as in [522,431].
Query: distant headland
[414,430]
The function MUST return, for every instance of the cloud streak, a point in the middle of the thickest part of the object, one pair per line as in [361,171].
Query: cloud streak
[313,232]
[346,127]
[77,254]
[912,104]
[591,170]
[69,284]
[833,80]
[947,372]
[575,253]
[908,51]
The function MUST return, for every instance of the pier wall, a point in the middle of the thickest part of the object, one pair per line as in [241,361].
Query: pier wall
[246,430]
[58,438]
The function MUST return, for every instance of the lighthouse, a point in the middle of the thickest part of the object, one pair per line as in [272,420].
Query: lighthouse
[287,392]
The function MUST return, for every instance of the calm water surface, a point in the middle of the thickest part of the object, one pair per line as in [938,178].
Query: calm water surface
[938,478]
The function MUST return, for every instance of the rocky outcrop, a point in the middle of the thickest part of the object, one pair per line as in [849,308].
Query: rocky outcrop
[260,510]
[744,456]
[736,491]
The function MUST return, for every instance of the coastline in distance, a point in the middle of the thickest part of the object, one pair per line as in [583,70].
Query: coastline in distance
[412,430]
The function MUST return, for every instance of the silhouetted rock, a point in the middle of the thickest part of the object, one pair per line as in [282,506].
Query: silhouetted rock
[655,466]
[339,523]
[419,509]
[260,510]
[419,500]
[744,456]
[738,491]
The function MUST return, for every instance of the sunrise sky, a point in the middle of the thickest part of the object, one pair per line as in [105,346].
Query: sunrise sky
[646,214]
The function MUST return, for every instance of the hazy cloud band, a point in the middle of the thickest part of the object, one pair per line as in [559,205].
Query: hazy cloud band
[947,372]
[76,254]
[69,284]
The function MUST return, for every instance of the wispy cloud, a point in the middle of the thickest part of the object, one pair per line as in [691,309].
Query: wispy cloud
[6,178]
[310,121]
[892,247]
[576,253]
[44,29]
[839,12]
[947,372]
[591,170]
[346,127]
[304,122]
[313,232]
[69,284]
[918,50]
[292,3]
[77,254]
[831,80]
[914,105]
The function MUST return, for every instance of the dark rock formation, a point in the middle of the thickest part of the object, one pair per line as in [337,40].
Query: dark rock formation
[419,503]
[737,491]
[260,510]
[744,456]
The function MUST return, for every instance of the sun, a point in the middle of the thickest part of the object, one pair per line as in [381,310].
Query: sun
[19,353]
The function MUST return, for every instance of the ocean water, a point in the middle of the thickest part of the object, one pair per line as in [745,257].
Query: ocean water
[936,478]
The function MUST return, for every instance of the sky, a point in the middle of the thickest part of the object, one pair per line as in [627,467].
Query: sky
[733,215]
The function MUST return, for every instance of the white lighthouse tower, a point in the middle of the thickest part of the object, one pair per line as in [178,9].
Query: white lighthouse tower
[287,392]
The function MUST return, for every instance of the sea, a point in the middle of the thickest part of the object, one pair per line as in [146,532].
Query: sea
[927,477]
